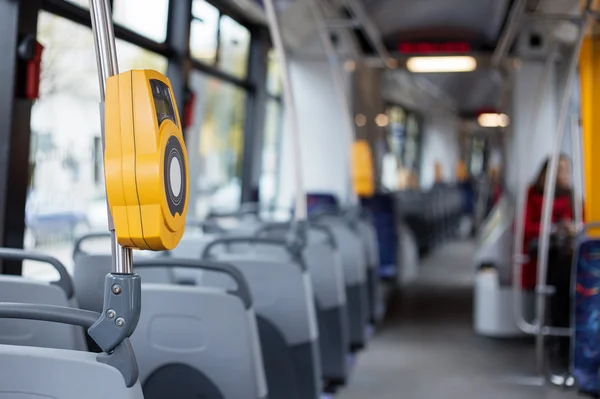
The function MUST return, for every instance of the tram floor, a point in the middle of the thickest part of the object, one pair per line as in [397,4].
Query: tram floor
[427,348]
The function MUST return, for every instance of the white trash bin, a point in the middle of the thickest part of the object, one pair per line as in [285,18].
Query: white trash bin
[493,307]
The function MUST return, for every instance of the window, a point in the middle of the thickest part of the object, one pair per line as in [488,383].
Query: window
[81,3]
[215,144]
[396,131]
[131,56]
[271,152]
[204,32]
[274,86]
[234,46]
[146,17]
[67,194]
[413,140]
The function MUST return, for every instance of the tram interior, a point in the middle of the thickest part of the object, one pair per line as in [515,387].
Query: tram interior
[357,199]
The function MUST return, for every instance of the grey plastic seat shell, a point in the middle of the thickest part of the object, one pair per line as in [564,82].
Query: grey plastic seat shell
[354,259]
[369,238]
[324,265]
[186,326]
[283,300]
[284,303]
[34,373]
[174,329]
[17,289]
[33,332]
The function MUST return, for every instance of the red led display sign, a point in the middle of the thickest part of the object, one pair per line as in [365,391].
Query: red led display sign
[433,48]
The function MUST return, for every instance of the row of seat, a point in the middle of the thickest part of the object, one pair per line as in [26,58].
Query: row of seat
[254,310]
[433,215]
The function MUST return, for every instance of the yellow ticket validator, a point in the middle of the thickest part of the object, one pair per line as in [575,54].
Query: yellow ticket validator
[145,160]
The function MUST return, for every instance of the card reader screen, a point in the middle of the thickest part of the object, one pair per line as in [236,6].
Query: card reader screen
[162,101]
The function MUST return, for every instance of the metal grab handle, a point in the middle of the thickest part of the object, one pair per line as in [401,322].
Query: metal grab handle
[242,291]
[64,282]
[239,213]
[294,251]
[121,357]
[286,225]
[519,232]
[51,313]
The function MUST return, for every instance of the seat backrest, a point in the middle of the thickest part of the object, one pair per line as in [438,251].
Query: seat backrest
[369,237]
[196,339]
[189,338]
[586,343]
[282,293]
[354,260]
[287,322]
[34,372]
[22,290]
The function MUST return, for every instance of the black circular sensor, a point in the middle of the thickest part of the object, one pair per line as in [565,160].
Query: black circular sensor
[175,176]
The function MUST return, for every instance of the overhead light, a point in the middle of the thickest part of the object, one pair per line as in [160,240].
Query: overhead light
[360,120]
[493,120]
[381,120]
[441,64]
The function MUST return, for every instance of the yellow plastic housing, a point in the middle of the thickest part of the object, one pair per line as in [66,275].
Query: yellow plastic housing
[589,62]
[136,147]
[362,169]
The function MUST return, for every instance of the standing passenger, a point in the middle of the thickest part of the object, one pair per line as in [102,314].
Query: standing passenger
[560,256]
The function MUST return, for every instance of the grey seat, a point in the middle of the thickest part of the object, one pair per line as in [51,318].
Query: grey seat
[284,302]
[191,341]
[22,290]
[354,259]
[324,265]
[369,237]
[34,372]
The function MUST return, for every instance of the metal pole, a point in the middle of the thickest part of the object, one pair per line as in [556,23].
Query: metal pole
[300,213]
[508,34]
[372,32]
[577,171]
[338,83]
[549,191]
[518,257]
[106,57]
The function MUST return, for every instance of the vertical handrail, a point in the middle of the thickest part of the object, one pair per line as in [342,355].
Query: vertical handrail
[106,58]
[577,171]
[300,213]
[338,83]
[549,191]
[519,232]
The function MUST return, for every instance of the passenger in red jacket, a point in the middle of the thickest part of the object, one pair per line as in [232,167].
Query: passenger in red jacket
[562,214]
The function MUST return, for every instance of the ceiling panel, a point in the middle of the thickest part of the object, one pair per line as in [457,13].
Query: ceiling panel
[480,20]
